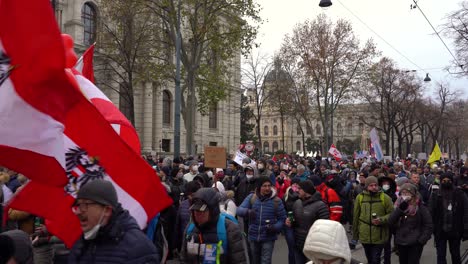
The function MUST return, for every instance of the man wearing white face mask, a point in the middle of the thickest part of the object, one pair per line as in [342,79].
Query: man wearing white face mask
[110,233]
[193,172]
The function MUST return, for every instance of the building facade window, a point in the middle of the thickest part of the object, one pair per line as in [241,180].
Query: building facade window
[166,105]
[266,146]
[308,130]
[361,127]
[275,146]
[339,129]
[298,145]
[318,129]
[349,129]
[275,130]
[89,20]
[213,122]
[265,131]
[166,145]
[213,144]
[298,130]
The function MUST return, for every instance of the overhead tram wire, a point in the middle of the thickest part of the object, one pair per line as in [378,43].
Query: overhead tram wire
[378,35]
[438,35]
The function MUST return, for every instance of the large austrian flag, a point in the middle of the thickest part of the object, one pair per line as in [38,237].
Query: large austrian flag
[52,134]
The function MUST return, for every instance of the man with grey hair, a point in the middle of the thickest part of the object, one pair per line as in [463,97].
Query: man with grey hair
[302,174]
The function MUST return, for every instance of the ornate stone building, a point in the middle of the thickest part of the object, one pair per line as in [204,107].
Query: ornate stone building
[154,105]
[347,125]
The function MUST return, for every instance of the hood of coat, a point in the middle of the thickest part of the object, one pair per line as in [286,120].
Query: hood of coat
[393,185]
[211,198]
[327,240]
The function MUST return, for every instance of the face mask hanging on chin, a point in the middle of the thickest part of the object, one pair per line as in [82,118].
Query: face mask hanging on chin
[91,234]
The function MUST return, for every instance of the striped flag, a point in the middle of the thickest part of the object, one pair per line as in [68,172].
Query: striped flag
[85,64]
[52,134]
[111,113]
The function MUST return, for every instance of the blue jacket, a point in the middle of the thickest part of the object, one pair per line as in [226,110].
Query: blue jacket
[305,176]
[120,241]
[264,208]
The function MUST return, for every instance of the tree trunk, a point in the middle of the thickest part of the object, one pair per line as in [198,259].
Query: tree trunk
[257,121]
[282,130]
[387,142]
[189,114]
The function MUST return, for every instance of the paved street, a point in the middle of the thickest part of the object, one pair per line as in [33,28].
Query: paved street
[280,254]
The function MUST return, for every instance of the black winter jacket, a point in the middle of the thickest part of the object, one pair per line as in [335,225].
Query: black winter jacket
[207,233]
[244,188]
[458,214]
[411,230]
[120,241]
[289,199]
[305,213]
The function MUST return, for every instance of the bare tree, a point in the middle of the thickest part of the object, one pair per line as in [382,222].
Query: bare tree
[278,84]
[300,98]
[456,28]
[213,33]
[256,68]
[330,53]
[128,49]
[382,92]
[435,125]
[405,124]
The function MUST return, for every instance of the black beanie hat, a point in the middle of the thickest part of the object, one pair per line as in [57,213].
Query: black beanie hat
[295,180]
[316,180]
[261,181]
[447,175]
[307,186]
[100,191]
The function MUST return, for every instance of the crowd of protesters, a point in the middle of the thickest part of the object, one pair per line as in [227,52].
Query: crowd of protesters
[235,214]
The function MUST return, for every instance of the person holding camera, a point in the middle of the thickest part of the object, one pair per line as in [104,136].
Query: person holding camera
[412,223]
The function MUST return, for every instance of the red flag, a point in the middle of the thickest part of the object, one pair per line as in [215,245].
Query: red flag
[85,64]
[111,113]
[335,153]
[52,134]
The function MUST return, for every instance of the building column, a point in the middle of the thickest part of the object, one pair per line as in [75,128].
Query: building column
[147,124]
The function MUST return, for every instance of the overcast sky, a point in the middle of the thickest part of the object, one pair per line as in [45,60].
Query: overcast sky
[405,29]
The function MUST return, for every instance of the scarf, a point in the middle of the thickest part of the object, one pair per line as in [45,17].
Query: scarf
[412,208]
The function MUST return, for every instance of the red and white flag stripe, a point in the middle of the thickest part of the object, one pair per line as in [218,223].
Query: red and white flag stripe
[111,113]
[43,114]
[335,153]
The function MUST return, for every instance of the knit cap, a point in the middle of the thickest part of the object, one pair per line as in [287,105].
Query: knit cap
[409,187]
[447,175]
[307,186]
[22,251]
[316,180]
[100,191]
[261,181]
[370,180]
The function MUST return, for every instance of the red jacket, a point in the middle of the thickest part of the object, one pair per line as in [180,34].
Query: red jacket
[282,189]
[332,200]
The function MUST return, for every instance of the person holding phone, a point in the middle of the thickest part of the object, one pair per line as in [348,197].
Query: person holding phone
[412,223]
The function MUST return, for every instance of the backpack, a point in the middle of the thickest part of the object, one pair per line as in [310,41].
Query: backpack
[382,198]
[220,229]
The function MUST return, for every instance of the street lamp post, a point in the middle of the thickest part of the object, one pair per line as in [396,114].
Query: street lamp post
[177,93]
